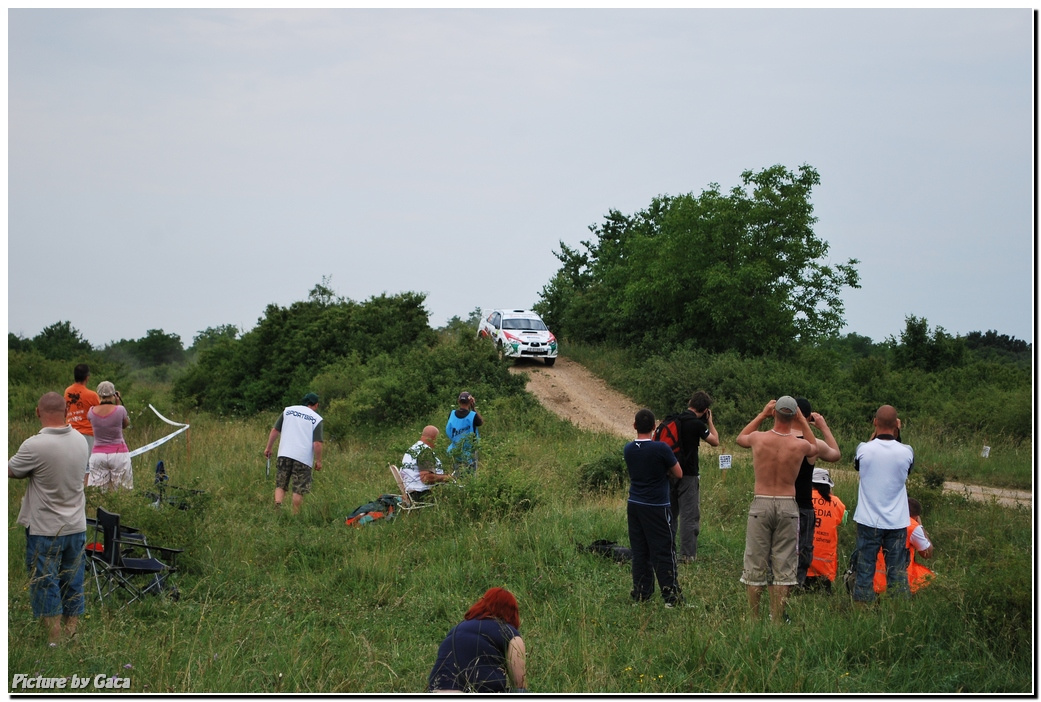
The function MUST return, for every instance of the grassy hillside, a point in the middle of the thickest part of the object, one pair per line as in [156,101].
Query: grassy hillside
[273,603]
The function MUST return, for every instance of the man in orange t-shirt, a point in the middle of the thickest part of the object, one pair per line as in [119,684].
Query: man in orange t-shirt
[78,401]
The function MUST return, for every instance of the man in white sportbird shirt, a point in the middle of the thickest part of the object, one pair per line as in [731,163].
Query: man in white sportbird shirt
[300,448]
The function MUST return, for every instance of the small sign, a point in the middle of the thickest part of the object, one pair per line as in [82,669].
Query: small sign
[985,453]
[724,461]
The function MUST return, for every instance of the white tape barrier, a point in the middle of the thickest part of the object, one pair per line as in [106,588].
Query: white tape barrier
[159,442]
[168,421]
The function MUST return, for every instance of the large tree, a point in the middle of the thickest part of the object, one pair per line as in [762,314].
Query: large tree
[60,341]
[741,270]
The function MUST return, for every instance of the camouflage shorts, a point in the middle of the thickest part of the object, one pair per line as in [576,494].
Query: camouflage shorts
[299,472]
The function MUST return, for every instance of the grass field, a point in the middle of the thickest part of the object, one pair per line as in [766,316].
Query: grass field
[275,603]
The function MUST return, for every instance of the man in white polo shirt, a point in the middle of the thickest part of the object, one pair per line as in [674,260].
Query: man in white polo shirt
[300,448]
[882,514]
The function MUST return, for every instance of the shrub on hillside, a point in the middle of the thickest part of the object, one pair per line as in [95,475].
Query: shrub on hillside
[604,474]
[395,388]
[492,494]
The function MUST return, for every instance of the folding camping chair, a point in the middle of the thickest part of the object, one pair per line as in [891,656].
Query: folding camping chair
[118,572]
[134,542]
[407,503]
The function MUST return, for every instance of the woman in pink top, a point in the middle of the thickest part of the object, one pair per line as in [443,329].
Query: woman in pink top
[110,466]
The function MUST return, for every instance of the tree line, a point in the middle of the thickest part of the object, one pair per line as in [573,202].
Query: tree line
[705,290]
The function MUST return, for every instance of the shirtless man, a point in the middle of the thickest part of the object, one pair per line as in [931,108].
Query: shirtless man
[773,519]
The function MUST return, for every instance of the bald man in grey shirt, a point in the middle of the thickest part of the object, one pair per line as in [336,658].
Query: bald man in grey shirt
[53,516]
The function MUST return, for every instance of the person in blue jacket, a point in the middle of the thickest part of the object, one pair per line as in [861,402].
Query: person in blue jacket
[484,652]
[462,433]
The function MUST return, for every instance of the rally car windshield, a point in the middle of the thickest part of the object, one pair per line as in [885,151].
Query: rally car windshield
[520,324]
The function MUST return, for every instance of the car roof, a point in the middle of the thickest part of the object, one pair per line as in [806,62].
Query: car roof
[518,313]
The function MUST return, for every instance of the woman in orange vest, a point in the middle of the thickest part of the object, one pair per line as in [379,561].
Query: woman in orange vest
[830,513]
[917,542]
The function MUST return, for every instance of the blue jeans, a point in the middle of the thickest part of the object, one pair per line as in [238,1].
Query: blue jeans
[55,565]
[893,543]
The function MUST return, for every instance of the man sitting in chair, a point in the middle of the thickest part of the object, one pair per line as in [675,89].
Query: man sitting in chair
[420,468]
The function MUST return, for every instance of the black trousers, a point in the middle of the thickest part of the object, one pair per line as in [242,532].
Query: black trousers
[654,552]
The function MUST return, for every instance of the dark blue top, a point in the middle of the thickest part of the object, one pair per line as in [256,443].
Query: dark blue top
[649,462]
[472,658]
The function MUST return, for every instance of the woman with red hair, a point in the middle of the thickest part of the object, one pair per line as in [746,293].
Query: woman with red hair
[483,650]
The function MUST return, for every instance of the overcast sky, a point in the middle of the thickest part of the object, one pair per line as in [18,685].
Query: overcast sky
[182,169]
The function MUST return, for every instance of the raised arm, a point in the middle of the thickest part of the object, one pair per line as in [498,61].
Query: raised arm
[744,439]
[713,436]
[807,434]
[829,451]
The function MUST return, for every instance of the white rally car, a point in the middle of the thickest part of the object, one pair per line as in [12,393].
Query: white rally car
[519,334]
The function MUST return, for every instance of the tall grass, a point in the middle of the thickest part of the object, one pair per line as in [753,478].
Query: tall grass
[276,603]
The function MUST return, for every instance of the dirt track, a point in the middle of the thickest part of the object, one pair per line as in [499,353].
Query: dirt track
[575,394]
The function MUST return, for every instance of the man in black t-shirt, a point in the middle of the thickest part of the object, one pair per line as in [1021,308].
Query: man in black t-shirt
[695,426]
[827,451]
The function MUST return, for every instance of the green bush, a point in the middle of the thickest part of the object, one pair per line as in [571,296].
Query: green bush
[491,495]
[604,474]
[274,363]
[399,388]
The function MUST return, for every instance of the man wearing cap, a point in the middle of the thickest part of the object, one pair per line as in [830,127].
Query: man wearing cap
[830,513]
[827,451]
[772,536]
[462,432]
[300,448]
[882,513]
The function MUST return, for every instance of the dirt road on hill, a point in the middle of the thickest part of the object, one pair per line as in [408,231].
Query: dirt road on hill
[575,394]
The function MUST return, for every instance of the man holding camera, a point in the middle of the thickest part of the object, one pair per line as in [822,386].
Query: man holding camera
[882,513]
[772,535]
[462,433]
[827,451]
[695,425]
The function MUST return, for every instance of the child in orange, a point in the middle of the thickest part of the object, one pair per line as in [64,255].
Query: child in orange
[917,542]
[830,512]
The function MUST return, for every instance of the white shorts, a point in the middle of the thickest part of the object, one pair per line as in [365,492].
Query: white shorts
[111,470]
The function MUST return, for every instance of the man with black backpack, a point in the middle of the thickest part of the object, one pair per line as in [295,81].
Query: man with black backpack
[694,425]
